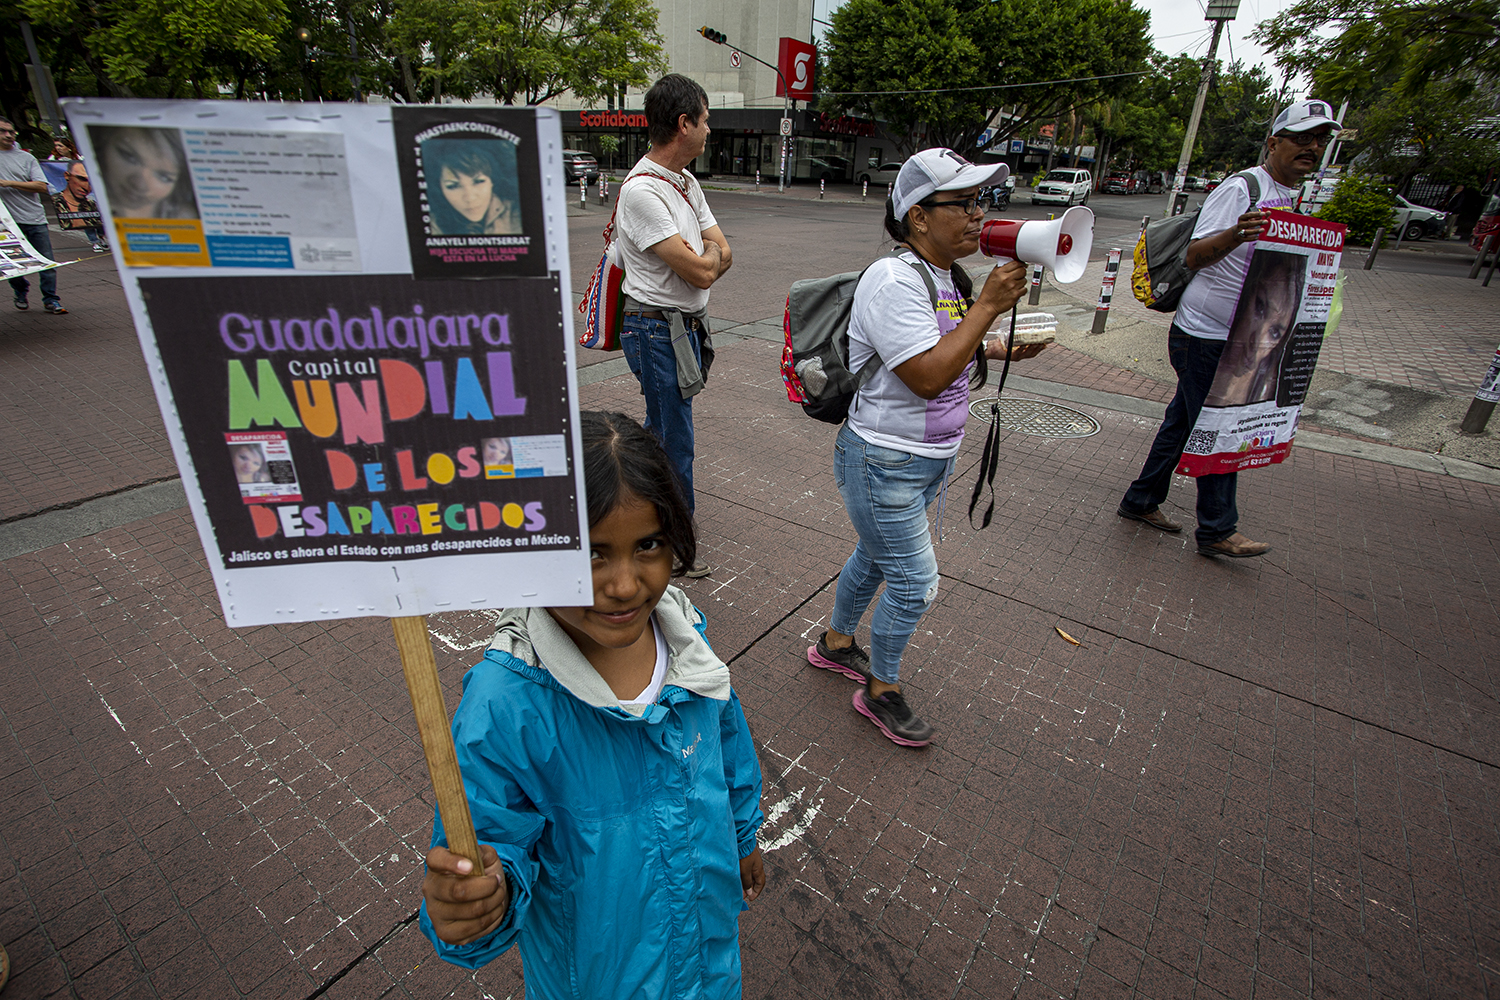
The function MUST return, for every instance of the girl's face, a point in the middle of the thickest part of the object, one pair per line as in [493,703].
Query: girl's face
[497,451]
[141,173]
[632,567]
[247,464]
[469,194]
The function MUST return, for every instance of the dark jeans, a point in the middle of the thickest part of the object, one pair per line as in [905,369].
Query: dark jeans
[647,344]
[41,242]
[1195,361]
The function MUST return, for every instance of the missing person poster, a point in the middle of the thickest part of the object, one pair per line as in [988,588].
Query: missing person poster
[1250,415]
[470,184]
[17,258]
[357,435]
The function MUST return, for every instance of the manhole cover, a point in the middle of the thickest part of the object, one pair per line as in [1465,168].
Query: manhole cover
[1033,416]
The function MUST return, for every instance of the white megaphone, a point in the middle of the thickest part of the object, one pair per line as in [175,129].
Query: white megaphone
[1062,244]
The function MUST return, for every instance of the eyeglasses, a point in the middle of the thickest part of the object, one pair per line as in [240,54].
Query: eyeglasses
[1307,138]
[969,205]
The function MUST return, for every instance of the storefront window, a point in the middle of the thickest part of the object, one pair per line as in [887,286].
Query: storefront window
[824,159]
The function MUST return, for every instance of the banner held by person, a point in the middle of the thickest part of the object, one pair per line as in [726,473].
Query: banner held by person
[1250,415]
[367,423]
[17,258]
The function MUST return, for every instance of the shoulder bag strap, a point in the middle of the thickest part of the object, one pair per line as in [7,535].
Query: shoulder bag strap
[867,370]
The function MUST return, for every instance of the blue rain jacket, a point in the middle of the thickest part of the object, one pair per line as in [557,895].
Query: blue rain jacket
[621,833]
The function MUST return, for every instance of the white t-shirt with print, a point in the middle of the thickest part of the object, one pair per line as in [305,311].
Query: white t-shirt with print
[1208,304]
[652,210]
[893,316]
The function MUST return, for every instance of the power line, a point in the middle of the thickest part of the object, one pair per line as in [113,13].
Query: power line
[997,86]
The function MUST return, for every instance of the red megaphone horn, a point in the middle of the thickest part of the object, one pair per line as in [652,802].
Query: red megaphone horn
[1061,244]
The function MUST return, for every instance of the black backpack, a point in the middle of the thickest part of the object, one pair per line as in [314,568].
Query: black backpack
[1161,274]
[815,354]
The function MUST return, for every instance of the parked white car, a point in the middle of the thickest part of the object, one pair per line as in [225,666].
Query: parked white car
[1415,222]
[1063,187]
[883,173]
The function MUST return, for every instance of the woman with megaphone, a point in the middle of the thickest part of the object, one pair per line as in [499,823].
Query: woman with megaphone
[894,453]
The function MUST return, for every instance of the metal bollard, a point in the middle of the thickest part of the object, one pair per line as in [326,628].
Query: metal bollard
[583,192]
[1400,232]
[1374,247]
[1484,400]
[864,191]
[603,190]
[1036,285]
[821,184]
[1106,290]
[1485,248]
[757,179]
[888,187]
[1491,272]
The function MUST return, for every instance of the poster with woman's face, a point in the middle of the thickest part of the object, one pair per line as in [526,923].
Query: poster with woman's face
[1250,368]
[471,183]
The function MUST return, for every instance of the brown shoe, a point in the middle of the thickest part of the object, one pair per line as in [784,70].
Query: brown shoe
[1154,518]
[1236,546]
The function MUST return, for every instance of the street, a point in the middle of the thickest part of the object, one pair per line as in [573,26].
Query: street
[1250,778]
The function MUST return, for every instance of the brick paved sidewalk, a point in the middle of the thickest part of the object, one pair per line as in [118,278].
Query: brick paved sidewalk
[1268,778]
[1422,331]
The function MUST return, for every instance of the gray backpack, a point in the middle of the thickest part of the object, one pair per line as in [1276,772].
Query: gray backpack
[1161,274]
[815,355]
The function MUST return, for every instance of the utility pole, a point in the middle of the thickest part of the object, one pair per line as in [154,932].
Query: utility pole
[1218,12]
[719,38]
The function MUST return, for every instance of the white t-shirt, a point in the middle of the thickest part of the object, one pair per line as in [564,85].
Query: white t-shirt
[25,206]
[893,316]
[658,673]
[648,212]
[1207,307]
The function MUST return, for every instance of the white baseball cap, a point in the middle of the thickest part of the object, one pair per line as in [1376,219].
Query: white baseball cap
[1304,115]
[939,169]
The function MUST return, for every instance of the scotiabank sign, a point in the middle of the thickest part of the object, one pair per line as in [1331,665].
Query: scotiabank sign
[795,59]
[610,119]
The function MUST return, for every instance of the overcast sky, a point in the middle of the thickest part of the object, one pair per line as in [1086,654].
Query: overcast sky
[1177,26]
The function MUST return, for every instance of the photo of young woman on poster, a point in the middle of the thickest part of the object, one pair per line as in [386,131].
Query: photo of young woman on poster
[249,463]
[1250,366]
[499,460]
[145,172]
[471,187]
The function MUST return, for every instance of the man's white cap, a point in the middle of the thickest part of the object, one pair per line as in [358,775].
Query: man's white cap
[934,170]
[1305,115]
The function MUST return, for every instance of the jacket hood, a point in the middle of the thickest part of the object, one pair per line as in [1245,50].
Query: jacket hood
[533,637]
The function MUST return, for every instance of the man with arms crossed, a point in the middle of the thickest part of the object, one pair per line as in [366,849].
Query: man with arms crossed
[672,250]
[1226,227]
[22,185]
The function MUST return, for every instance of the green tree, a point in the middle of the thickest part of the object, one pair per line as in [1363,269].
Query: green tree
[953,67]
[162,48]
[1442,134]
[1357,47]
[529,50]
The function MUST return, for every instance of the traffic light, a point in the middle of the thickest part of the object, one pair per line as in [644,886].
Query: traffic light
[712,34]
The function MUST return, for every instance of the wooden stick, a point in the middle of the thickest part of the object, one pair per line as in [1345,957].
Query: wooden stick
[437,738]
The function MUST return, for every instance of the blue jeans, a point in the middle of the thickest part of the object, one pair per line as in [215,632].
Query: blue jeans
[41,242]
[886,493]
[647,344]
[1195,361]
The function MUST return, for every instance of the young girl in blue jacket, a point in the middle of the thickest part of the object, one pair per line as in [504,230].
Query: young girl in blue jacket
[610,773]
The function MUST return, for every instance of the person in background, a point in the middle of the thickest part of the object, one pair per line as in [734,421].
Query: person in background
[673,251]
[63,149]
[22,185]
[1227,224]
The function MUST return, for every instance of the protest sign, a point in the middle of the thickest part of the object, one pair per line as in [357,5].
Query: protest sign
[355,319]
[17,258]
[1250,415]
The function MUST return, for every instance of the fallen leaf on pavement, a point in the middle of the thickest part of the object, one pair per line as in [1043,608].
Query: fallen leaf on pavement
[1067,636]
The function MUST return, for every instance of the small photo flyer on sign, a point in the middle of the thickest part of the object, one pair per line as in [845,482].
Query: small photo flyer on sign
[363,428]
[1249,417]
[471,188]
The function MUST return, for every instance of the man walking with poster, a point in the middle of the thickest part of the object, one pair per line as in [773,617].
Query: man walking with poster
[22,185]
[1220,253]
[672,251]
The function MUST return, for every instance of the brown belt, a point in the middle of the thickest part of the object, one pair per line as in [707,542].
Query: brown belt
[652,314]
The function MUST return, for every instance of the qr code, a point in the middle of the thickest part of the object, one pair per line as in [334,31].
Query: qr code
[1201,442]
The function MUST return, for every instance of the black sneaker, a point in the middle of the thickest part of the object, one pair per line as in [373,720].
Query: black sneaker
[851,661]
[894,717]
